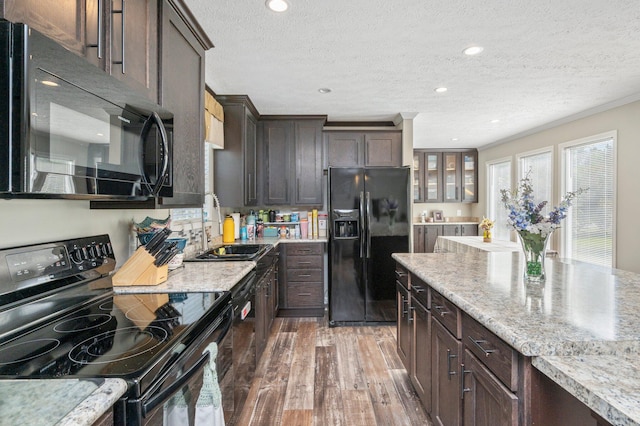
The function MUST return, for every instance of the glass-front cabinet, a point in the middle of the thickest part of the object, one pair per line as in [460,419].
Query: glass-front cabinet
[470,177]
[427,176]
[445,176]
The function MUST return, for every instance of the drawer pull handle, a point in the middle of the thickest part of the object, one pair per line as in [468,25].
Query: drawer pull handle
[419,289]
[401,274]
[304,275]
[304,294]
[450,356]
[462,388]
[304,263]
[441,310]
[479,343]
[410,317]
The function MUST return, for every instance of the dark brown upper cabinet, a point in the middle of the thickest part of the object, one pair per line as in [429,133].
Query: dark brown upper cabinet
[117,36]
[291,163]
[183,42]
[449,176]
[235,166]
[181,90]
[360,149]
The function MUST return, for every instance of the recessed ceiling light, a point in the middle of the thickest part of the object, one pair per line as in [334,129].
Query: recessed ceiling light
[324,90]
[49,83]
[277,5]
[473,50]
[440,89]
[454,139]
[495,121]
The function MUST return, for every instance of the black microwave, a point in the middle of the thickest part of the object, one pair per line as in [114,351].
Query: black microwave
[70,130]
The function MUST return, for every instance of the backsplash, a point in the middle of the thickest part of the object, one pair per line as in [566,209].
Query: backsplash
[191,229]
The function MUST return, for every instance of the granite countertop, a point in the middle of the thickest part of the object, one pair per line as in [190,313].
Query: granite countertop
[196,277]
[608,384]
[580,326]
[448,223]
[445,244]
[61,402]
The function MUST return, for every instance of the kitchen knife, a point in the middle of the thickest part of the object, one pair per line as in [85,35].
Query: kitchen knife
[157,240]
[166,254]
[161,247]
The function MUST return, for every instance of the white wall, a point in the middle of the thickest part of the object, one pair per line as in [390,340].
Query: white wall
[626,120]
[37,221]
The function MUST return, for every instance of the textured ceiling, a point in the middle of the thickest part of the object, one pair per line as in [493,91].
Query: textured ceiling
[543,61]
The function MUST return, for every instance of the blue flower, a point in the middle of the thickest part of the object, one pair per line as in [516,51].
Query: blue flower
[526,215]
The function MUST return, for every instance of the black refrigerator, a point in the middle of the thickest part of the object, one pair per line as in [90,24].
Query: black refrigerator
[368,221]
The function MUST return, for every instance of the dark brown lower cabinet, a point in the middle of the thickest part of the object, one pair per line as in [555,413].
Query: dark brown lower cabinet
[403,325]
[421,353]
[445,386]
[301,280]
[487,402]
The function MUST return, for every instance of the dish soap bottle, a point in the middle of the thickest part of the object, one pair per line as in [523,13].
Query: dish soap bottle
[228,230]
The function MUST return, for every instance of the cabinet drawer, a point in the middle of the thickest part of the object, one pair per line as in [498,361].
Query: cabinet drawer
[402,275]
[499,357]
[304,249]
[304,262]
[305,275]
[446,313]
[420,291]
[302,295]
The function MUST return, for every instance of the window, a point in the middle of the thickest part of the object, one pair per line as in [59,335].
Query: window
[498,177]
[539,166]
[588,234]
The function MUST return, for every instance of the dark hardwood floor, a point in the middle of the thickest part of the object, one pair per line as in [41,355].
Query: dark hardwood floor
[311,374]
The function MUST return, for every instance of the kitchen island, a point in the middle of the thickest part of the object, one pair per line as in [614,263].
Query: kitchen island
[584,312]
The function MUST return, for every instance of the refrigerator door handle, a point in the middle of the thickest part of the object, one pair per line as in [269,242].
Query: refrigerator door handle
[362,225]
[368,225]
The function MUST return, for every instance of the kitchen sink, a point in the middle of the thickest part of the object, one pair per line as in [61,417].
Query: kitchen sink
[233,252]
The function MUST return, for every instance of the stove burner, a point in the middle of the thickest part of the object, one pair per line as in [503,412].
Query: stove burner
[98,349]
[24,351]
[82,323]
[106,306]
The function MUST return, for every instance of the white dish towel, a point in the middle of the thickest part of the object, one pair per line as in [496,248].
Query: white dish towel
[209,406]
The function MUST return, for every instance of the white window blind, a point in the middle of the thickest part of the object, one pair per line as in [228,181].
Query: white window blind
[499,176]
[539,166]
[589,233]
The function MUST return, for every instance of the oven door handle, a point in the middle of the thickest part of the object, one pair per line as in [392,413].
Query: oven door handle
[156,400]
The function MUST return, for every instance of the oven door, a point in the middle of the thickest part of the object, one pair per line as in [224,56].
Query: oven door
[172,399]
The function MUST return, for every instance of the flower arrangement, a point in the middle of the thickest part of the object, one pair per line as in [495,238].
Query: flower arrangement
[534,228]
[486,226]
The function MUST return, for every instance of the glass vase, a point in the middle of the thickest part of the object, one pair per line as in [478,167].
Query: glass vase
[535,249]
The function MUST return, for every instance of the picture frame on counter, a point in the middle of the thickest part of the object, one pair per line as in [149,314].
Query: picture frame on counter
[437,216]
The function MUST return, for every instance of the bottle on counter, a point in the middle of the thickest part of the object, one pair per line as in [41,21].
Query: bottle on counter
[228,230]
[251,225]
[259,228]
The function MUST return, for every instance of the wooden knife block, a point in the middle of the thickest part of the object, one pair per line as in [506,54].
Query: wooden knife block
[140,270]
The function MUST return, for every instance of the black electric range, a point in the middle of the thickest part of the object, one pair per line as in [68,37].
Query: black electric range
[60,318]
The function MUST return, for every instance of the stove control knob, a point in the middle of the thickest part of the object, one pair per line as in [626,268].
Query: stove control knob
[76,256]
